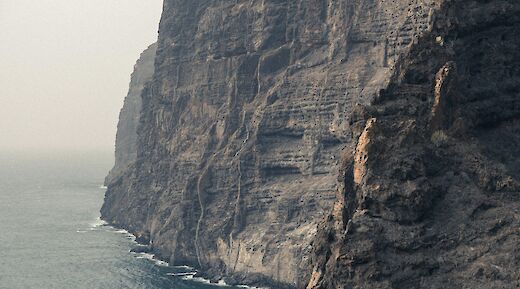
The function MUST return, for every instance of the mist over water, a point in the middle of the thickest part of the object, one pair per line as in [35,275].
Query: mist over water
[66,67]
[50,234]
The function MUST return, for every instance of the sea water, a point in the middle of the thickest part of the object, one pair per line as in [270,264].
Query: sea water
[51,236]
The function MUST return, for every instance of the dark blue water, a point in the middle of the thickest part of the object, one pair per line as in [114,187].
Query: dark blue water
[50,234]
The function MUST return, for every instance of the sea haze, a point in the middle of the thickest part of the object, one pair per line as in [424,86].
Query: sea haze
[51,235]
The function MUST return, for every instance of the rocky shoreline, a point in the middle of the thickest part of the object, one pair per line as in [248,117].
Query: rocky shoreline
[212,276]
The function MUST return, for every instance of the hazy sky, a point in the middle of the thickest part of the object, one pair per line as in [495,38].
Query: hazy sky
[65,66]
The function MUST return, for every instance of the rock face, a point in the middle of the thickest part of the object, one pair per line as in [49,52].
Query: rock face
[254,107]
[430,195]
[126,138]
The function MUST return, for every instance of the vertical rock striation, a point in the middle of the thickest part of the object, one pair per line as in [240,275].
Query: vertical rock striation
[126,138]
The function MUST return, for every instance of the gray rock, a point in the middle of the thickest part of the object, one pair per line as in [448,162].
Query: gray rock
[126,138]
[256,107]
[430,196]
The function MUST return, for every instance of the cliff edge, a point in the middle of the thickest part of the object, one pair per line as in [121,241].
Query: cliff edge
[130,114]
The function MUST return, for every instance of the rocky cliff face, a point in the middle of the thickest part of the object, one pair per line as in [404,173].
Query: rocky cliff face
[430,195]
[255,106]
[126,138]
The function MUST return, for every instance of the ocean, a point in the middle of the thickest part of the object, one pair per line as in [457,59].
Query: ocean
[51,236]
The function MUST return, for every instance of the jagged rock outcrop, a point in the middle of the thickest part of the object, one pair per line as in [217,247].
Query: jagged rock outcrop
[429,197]
[126,138]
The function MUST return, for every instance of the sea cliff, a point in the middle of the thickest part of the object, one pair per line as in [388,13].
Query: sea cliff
[323,143]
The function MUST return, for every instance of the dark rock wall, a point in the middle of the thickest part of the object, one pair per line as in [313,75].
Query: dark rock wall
[430,195]
[126,138]
[243,124]
[254,107]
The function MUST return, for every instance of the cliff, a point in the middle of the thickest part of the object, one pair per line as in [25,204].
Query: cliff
[254,107]
[429,196]
[126,137]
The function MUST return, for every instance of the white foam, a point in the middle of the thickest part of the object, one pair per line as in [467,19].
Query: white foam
[201,280]
[142,255]
[184,267]
[182,274]
[103,187]
[161,263]
[187,277]
[190,276]
[98,223]
[152,258]
[101,223]
[222,283]
[196,279]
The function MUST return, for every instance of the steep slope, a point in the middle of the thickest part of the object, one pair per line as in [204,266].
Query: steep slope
[126,138]
[253,104]
[244,122]
[430,195]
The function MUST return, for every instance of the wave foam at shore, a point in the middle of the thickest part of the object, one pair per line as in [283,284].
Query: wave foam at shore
[187,276]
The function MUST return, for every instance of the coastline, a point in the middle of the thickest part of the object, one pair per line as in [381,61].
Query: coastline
[195,275]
